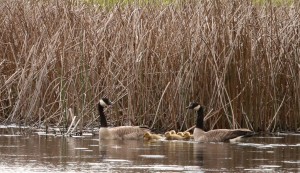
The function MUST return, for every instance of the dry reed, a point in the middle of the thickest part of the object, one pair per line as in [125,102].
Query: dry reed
[239,59]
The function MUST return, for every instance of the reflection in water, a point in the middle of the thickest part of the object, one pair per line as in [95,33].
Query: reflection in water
[257,153]
[36,153]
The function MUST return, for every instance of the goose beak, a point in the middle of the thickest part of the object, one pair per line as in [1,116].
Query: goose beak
[110,104]
[192,105]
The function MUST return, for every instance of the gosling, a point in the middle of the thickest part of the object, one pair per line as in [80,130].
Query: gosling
[148,136]
[187,135]
[171,136]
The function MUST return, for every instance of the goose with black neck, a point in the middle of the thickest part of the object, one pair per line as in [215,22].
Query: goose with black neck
[217,135]
[119,132]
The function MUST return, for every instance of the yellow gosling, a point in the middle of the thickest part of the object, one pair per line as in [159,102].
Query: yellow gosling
[187,135]
[148,136]
[180,133]
[170,136]
[171,132]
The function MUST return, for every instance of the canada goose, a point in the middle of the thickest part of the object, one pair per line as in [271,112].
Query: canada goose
[172,136]
[120,132]
[150,136]
[218,135]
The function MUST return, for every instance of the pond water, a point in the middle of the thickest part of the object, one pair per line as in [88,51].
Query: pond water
[50,153]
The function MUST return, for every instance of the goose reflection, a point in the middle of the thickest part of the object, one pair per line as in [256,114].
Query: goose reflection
[219,156]
[116,149]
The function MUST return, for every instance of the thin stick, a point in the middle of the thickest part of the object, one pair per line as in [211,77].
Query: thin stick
[268,129]
[75,126]
[190,128]
[73,120]
[159,104]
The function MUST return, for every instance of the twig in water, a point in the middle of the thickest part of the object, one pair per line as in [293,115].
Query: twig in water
[73,120]
[276,113]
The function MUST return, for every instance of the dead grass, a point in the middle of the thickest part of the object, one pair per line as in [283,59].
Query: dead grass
[239,59]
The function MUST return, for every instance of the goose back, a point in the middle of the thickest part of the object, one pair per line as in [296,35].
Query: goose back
[220,135]
[122,132]
[130,132]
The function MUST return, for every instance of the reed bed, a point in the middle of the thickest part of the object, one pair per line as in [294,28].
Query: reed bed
[238,58]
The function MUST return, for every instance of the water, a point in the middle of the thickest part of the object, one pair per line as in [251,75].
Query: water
[50,153]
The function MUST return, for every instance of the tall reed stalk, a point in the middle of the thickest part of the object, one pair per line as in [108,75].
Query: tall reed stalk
[238,58]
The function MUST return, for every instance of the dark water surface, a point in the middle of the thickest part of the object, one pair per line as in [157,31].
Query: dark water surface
[49,153]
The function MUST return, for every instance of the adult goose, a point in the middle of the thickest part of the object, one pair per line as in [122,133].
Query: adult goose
[217,135]
[120,132]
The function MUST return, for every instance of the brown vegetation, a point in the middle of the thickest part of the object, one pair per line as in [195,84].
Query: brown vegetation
[240,60]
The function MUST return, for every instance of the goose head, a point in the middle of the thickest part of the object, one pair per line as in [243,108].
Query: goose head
[194,105]
[200,114]
[105,102]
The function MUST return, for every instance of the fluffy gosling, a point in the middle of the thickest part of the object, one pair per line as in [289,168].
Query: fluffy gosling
[148,136]
[171,136]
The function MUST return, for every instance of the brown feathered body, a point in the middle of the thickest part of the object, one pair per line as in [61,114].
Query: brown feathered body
[122,132]
[219,135]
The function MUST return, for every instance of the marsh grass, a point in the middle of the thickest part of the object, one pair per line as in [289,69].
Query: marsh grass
[274,2]
[239,59]
[111,3]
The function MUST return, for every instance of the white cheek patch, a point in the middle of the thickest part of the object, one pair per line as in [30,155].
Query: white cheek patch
[197,107]
[102,103]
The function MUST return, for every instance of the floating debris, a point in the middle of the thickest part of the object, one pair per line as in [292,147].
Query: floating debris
[81,148]
[116,160]
[153,156]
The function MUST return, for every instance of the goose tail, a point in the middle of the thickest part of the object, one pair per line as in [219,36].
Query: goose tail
[248,133]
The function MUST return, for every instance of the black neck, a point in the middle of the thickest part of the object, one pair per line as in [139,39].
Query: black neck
[102,118]
[200,117]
